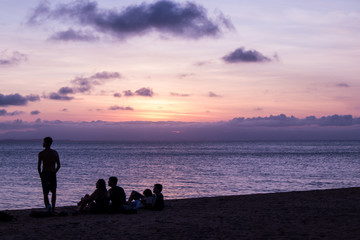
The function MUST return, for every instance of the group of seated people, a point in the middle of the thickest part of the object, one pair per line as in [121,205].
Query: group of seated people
[114,200]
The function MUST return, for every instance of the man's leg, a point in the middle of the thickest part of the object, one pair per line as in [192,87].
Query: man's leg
[53,200]
[46,199]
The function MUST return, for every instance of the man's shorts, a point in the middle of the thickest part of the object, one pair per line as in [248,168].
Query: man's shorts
[48,181]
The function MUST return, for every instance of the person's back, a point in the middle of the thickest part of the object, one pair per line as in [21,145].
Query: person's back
[49,158]
[117,196]
[159,198]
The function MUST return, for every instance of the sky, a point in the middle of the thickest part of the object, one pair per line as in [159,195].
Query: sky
[183,70]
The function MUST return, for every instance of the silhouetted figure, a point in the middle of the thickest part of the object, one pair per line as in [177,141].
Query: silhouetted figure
[117,195]
[153,201]
[49,159]
[98,201]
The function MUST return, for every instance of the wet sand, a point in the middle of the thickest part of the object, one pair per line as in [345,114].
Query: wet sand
[324,214]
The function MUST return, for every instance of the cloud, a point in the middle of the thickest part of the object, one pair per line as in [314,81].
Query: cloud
[284,121]
[213,95]
[14,58]
[187,19]
[3,113]
[82,85]
[186,75]
[115,107]
[145,92]
[278,127]
[179,94]
[128,93]
[57,96]
[242,55]
[35,112]
[16,99]
[342,85]
[117,95]
[72,35]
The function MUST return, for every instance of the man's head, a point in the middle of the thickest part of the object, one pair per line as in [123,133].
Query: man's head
[112,181]
[157,188]
[47,142]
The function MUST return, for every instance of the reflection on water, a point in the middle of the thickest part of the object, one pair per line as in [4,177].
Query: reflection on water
[186,170]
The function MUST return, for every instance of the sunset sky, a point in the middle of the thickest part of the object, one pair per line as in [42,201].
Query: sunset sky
[199,61]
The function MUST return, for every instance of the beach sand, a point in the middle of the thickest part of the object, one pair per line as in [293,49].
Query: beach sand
[323,214]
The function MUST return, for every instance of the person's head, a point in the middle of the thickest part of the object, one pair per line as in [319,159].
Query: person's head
[157,188]
[47,142]
[100,184]
[147,193]
[112,181]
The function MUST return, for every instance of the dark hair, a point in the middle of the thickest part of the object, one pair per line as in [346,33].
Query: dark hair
[147,193]
[48,141]
[113,180]
[158,186]
[102,184]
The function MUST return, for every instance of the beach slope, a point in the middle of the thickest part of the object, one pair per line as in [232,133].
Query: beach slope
[323,214]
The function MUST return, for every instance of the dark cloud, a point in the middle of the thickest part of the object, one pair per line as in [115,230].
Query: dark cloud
[213,95]
[57,96]
[33,98]
[64,110]
[14,58]
[186,75]
[117,95]
[115,107]
[128,93]
[82,85]
[342,85]
[65,90]
[4,113]
[187,19]
[35,112]
[145,92]
[284,121]
[279,127]
[16,99]
[72,35]
[179,94]
[242,55]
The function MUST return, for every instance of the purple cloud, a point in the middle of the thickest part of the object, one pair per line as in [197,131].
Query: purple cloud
[279,127]
[3,113]
[117,95]
[145,92]
[16,99]
[83,84]
[179,94]
[115,107]
[14,58]
[35,112]
[241,55]
[72,35]
[128,93]
[213,95]
[187,19]
[342,85]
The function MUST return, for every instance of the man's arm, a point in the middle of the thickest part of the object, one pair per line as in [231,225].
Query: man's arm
[57,162]
[39,164]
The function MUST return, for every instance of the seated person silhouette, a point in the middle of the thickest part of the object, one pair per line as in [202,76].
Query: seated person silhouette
[98,201]
[147,200]
[117,196]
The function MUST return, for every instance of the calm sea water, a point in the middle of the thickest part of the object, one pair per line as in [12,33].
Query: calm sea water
[186,169]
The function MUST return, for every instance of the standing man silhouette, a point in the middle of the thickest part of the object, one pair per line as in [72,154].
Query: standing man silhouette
[49,159]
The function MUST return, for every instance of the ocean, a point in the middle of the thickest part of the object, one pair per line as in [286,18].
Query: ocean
[185,169]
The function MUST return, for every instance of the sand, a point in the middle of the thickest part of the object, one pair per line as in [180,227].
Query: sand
[325,214]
